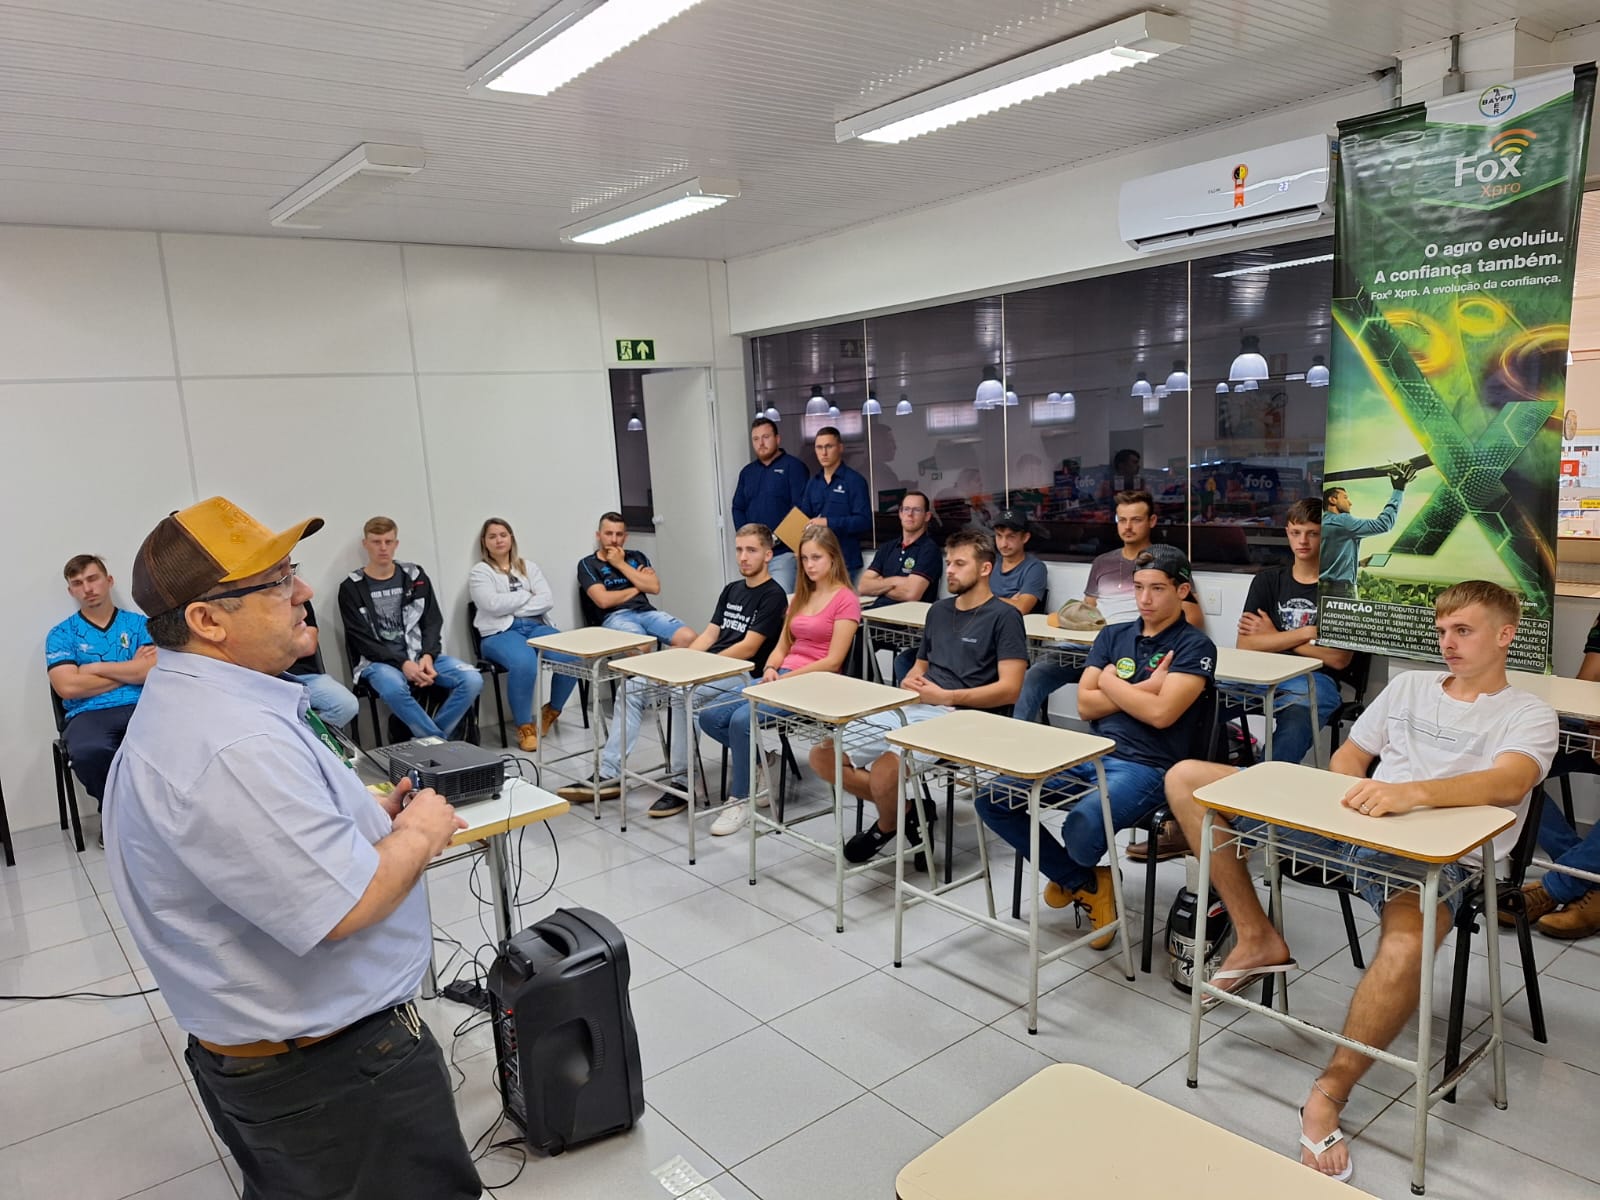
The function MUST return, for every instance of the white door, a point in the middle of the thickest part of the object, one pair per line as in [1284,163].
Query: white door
[679,416]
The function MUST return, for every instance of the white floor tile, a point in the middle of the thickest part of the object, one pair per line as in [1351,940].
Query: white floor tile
[1577,964]
[638,887]
[41,928]
[979,972]
[953,1085]
[36,1030]
[66,1087]
[54,855]
[799,886]
[869,931]
[210,1182]
[679,1017]
[43,891]
[748,1094]
[778,971]
[699,926]
[853,1153]
[63,968]
[875,1028]
[113,1154]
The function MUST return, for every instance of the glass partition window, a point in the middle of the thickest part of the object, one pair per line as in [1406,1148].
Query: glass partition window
[1200,382]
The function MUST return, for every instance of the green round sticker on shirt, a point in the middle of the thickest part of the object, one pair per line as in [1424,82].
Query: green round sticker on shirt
[1125,668]
[908,564]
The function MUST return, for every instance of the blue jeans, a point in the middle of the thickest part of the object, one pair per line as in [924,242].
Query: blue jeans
[651,622]
[1567,849]
[509,649]
[460,679]
[1042,679]
[1136,791]
[1292,735]
[330,699]
[729,725]
[631,717]
[785,569]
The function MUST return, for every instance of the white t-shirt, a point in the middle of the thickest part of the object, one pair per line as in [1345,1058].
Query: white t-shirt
[1420,732]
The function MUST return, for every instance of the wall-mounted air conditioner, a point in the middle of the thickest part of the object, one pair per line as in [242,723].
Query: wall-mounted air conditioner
[1262,190]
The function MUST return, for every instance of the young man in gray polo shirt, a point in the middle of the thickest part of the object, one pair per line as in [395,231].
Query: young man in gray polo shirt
[276,900]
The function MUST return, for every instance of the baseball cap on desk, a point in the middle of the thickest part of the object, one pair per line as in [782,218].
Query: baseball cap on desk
[194,549]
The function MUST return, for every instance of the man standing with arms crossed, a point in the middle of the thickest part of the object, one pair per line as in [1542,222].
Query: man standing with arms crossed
[275,899]
[837,497]
[769,489]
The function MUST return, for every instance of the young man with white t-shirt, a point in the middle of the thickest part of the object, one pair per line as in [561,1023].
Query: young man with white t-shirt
[1110,589]
[1460,738]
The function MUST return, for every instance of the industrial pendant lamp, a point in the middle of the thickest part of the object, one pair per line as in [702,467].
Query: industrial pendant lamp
[903,409]
[818,404]
[1178,381]
[772,414]
[872,408]
[1317,376]
[991,392]
[1011,400]
[1249,365]
[833,412]
[1222,389]
[1069,406]
[1141,387]
[634,424]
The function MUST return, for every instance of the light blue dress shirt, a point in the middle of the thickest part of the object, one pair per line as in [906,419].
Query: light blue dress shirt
[236,840]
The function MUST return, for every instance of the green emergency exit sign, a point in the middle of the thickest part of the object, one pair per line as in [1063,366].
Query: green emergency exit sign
[636,349]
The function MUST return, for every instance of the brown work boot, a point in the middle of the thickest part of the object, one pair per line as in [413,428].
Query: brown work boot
[528,737]
[1170,843]
[1579,919]
[1100,904]
[547,718]
[1534,898]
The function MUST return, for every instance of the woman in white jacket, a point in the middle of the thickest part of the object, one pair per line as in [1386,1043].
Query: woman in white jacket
[513,602]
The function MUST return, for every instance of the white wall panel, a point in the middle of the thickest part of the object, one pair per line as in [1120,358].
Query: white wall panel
[728,348]
[90,469]
[81,304]
[343,449]
[501,310]
[668,299]
[266,306]
[486,458]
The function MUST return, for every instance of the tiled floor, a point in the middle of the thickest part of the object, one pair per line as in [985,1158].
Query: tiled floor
[782,1060]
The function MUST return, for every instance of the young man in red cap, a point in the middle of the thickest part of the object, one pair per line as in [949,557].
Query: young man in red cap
[277,901]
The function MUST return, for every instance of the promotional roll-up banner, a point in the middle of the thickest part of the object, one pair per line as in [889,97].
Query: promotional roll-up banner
[1455,238]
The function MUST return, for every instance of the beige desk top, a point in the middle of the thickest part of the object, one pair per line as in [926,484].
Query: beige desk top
[913,613]
[834,699]
[1039,627]
[1022,748]
[1261,668]
[1070,1125]
[681,667]
[1307,798]
[1569,697]
[594,641]
[520,804]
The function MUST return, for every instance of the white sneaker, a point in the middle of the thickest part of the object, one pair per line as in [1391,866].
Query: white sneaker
[771,768]
[732,819]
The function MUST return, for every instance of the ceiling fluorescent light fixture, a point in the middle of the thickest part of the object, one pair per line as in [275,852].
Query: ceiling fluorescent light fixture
[1126,43]
[1277,266]
[566,41]
[369,169]
[660,208]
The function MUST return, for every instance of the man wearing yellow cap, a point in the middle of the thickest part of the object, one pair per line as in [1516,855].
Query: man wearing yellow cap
[275,900]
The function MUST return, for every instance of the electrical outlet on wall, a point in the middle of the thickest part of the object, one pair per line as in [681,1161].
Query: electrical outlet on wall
[1211,601]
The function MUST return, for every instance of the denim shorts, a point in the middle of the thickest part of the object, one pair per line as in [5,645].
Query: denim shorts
[1359,864]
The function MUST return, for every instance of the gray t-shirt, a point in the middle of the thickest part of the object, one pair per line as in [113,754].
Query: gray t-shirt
[1029,577]
[1111,584]
[964,649]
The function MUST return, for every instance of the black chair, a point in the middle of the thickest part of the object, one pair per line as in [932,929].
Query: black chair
[431,699]
[66,790]
[1356,677]
[5,831]
[493,672]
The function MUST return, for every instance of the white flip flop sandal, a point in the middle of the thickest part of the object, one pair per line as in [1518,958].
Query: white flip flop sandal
[1241,978]
[1323,1145]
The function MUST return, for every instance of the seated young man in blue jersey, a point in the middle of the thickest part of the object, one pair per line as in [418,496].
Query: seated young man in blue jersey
[1139,688]
[97,659]
[615,585]
[1019,578]
[904,570]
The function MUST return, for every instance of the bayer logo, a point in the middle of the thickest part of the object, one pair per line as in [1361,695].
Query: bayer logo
[1497,100]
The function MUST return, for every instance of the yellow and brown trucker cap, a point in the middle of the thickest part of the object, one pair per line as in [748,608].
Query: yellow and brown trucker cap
[196,548]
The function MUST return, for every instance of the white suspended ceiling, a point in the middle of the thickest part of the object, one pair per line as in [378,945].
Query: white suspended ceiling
[199,115]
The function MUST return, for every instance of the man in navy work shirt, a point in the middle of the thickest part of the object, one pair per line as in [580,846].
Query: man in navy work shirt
[903,571]
[97,659]
[973,653]
[769,489]
[1019,578]
[1139,688]
[615,585]
[836,496]
[277,901]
